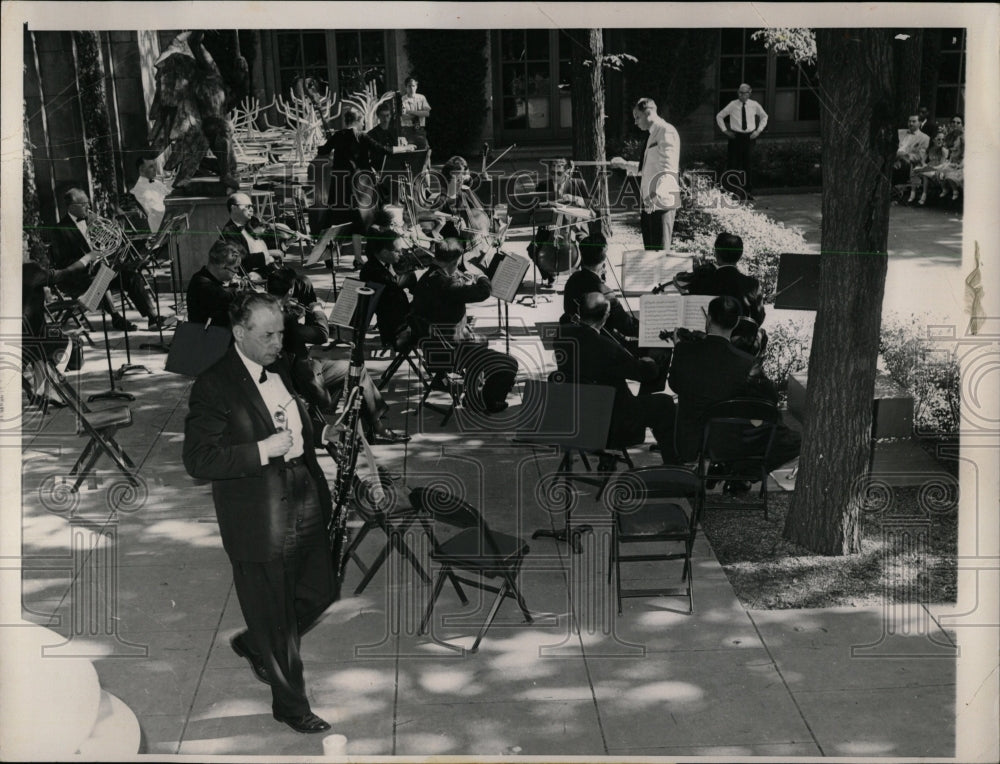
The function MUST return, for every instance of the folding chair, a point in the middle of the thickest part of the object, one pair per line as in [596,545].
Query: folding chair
[648,508]
[438,356]
[394,521]
[99,427]
[475,549]
[408,355]
[736,445]
[62,309]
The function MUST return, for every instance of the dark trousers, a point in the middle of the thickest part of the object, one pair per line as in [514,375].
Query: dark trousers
[657,228]
[654,411]
[738,158]
[281,599]
[489,374]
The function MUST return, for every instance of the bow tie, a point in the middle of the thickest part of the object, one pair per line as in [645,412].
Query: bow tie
[273,368]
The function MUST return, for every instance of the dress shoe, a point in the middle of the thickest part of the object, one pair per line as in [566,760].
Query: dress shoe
[735,487]
[120,324]
[306,723]
[358,263]
[242,649]
[158,322]
[388,437]
[923,200]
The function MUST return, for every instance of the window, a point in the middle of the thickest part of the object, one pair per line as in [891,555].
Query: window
[786,90]
[300,54]
[346,59]
[360,60]
[534,79]
[950,95]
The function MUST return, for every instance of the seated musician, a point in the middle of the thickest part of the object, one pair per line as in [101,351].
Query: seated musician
[560,188]
[381,140]
[260,254]
[150,192]
[322,379]
[383,251]
[725,278]
[43,343]
[591,357]
[351,176]
[456,200]
[438,311]
[73,252]
[211,290]
[710,369]
[590,278]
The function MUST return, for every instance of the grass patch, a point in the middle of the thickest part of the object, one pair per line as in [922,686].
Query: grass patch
[769,573]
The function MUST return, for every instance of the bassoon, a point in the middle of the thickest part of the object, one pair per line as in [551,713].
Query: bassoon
[349,439]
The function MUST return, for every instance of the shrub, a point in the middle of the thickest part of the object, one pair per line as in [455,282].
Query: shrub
[788,345]
[707,211]
[926,369]
[776,163]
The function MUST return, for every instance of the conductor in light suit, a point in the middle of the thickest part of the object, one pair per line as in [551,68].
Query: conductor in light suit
[658,172]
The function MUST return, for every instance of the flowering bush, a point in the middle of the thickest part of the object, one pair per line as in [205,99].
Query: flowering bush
[927,369]
[788,345]
[796,42]
[708,211]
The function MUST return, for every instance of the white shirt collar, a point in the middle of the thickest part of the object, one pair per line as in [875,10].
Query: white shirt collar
[252,366]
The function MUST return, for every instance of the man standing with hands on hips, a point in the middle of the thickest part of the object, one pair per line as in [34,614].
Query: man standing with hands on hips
[249,433]
[747,120]
[658,168]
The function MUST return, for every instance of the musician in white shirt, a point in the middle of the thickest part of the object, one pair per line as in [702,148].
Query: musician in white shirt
[150,192]
[747,120]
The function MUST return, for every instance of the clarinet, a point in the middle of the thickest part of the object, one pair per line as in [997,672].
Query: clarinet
[345,450]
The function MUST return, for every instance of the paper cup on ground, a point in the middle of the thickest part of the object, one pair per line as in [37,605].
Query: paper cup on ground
[335,745]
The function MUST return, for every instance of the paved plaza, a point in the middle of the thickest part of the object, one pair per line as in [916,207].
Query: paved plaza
[147,592]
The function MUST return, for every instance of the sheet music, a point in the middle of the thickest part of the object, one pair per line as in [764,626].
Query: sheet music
[658,312]
[509,274]
[347,301]
[640,270]
[695,310]
[102,280]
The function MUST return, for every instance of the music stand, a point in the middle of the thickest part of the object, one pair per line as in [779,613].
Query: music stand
[798,282]
[571,417]
[506,272]
[90,300]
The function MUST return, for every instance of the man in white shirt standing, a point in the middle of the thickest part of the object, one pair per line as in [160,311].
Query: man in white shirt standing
[150,192]
[415,113]
[747,120]
[658,171]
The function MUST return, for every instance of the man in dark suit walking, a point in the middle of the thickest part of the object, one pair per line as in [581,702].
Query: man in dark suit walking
[249,433]
[71,243]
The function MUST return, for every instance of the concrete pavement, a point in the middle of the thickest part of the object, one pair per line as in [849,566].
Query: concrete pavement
[147,592]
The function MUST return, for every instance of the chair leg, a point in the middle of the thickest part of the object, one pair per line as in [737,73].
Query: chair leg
[434,595]
[388,373]
[513,587]
[503,593]
[458,588]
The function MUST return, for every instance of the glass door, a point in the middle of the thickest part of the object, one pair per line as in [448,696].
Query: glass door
[531,75]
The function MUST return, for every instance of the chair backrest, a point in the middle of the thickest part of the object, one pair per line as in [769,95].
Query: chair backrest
[740,428]
[628,491]
[567,414]
[446,507]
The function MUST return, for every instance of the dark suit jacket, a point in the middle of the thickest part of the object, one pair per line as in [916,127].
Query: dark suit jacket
[589,358]
[728,281]
[439,299]
[208,298]
[704,371]
[68,246]
[583,282]
[393,304]
[226,418]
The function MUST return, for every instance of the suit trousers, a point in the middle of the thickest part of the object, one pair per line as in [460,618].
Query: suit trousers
[738,158]
[657,228]
[281,599]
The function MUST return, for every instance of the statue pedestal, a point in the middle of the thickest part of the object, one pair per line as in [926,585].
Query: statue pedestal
[206,216]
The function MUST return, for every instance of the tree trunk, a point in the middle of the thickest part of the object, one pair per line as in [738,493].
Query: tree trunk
[96,121]
[863,76]
[588,115]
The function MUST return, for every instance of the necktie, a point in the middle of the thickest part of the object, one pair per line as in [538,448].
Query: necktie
[744,108]
[263,376]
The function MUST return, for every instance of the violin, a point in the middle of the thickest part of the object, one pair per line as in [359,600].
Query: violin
[277,232]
